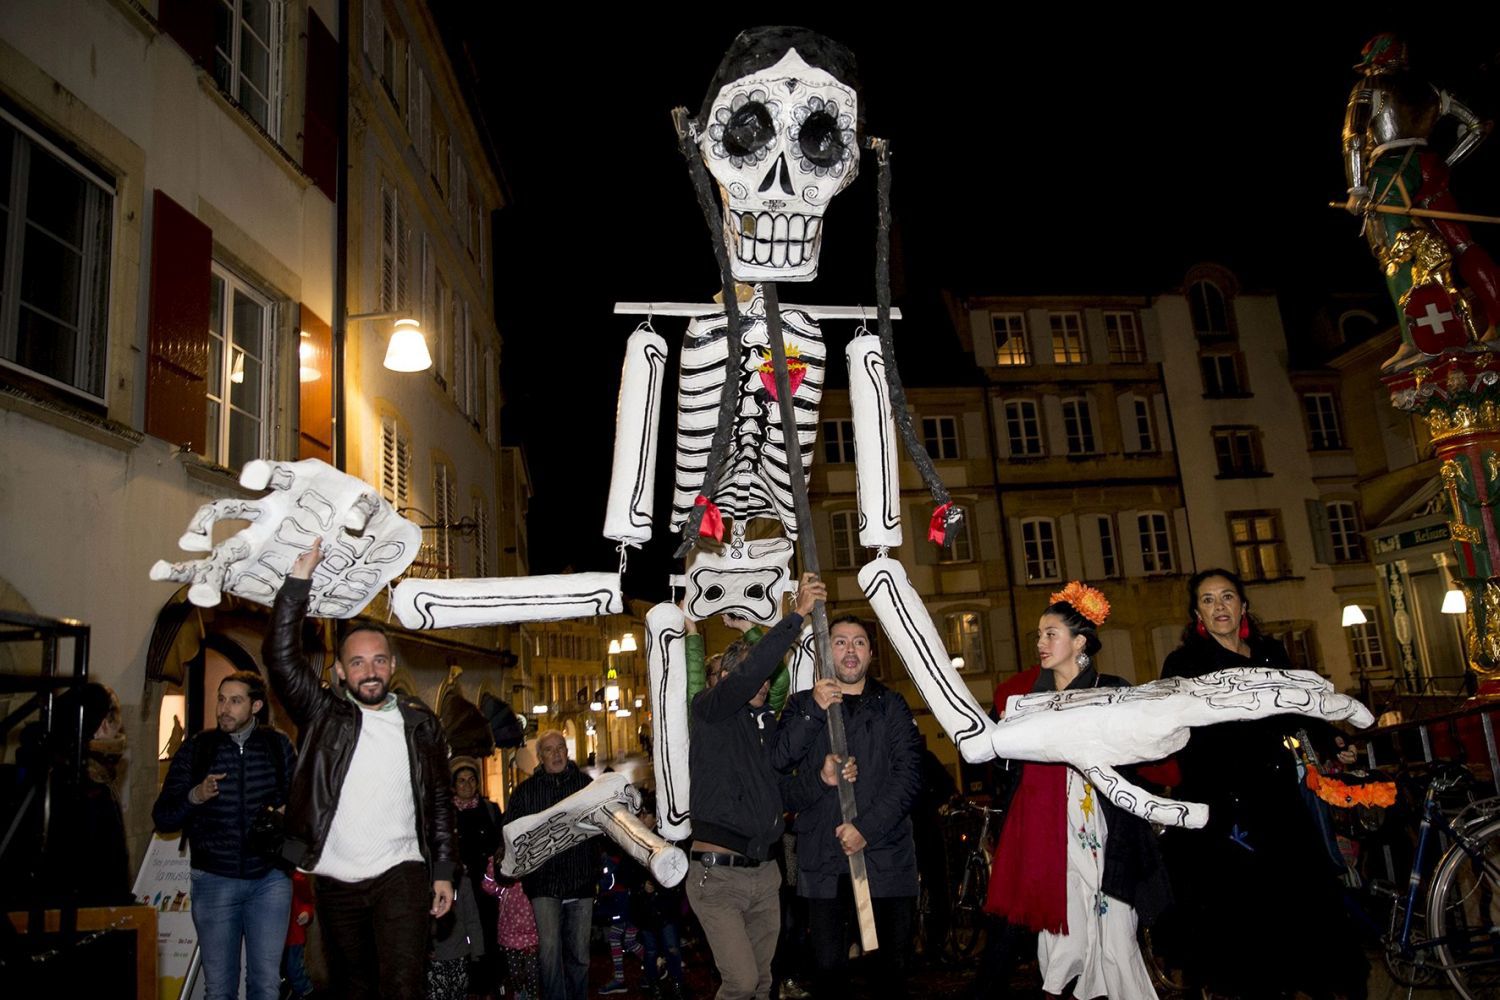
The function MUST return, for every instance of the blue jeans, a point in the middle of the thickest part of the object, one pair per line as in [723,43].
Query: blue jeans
[228,910]
[562,930]
[663,941]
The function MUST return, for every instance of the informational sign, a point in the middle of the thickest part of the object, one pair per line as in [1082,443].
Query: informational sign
[164,883]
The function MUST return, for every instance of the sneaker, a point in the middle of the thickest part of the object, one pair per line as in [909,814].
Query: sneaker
[613,986]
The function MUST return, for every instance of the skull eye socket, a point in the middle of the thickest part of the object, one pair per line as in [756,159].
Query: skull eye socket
[714,593]
[749,129]
[755,591]
[821,140]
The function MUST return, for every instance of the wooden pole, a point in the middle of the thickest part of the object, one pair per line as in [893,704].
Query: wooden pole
[807,543]
[1424,213]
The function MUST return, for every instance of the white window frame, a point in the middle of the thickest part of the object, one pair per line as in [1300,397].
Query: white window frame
[1023,428]
[234,88]
[1325,431]
[1041,560]
[943,432]
[1012,350]
[1367,645]
[844,538]
[91,331]
[1068,345]
[1122,332]
[1154,531]
[838,441]
[1078,426]
[1145,423]
[221,409]
[1344,531]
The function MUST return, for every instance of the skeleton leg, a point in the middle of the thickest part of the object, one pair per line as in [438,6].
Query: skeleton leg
[505,601]
[666,862]
[666,654]
[916,639]
[632,485]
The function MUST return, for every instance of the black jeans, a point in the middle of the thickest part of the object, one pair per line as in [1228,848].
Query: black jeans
[833,926]
[375,933]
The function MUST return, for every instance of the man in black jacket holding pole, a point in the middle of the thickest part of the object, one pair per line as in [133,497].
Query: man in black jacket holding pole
[736,806]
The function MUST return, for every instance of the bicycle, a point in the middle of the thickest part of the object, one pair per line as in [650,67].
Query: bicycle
[1458,933]
[966,926]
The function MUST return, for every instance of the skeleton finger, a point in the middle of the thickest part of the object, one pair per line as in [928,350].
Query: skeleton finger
[200,530]
[205,575]
[1139,802]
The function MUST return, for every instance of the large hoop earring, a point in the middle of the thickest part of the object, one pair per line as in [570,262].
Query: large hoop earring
[1202,632]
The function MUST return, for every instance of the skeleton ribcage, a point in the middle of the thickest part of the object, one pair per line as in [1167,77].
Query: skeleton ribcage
[756,479]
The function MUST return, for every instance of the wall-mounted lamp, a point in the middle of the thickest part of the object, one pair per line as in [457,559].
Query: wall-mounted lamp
[1454,602]
[407,350]
[627,642]
[622,713]
[538,709]
[615,647]
[596,706]
[1354,615]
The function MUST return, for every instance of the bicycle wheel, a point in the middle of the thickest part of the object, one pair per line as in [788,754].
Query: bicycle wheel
[1420,968]
[966,933]
[1463,914]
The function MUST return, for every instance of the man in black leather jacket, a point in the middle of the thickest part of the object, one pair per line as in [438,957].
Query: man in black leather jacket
[370,798]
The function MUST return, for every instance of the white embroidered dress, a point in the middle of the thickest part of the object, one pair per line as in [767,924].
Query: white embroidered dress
[1100,948]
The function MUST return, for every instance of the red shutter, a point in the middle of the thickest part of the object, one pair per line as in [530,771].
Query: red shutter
[177,364]
[315,420]
[191,23]
[320,136]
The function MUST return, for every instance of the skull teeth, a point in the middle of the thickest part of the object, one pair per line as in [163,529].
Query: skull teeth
[775,240]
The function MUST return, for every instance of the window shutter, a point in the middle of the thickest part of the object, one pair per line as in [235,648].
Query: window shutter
[1130,437]
[1129,527]
[460,356]
[481,538]
[403,263]
[1178,539]
[177,358]
[1068,552]
[374,33]
[1052,425]
[1317,523]
[320,111]
[388,459]
[315,398]
[1163,437]
[191,25]
[388,223]
[1093,555]
[1017,551]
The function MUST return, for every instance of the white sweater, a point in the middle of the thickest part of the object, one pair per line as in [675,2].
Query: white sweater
[375,823]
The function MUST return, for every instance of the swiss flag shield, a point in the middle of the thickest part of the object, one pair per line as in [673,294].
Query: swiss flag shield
[1433,320]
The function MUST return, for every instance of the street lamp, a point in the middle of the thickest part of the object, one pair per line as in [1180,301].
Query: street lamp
[407,349]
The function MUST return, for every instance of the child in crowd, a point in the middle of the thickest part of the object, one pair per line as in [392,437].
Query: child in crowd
[657,912]
[515,932]
[294,967]
[618,877]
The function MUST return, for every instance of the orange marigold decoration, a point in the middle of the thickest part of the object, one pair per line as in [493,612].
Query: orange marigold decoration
[1345,796]
[1087,601]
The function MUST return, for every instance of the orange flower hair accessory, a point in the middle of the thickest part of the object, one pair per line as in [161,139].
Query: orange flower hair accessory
[1088,602]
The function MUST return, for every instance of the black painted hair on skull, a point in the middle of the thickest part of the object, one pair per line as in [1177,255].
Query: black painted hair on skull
[1077,625]
[756,49]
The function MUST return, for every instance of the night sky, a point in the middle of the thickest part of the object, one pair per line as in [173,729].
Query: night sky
[1077,155]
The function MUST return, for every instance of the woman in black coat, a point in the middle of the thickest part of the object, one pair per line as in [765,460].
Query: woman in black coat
[1259,909]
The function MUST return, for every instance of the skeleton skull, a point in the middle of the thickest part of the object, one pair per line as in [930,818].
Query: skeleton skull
[781,140]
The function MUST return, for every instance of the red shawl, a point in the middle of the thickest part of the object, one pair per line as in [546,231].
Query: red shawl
[1028,877]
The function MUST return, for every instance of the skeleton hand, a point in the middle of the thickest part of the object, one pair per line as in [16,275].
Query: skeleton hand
[366,543]
[1097,729]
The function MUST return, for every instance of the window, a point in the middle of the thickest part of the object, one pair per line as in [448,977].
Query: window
[1369,654]
[1237,450]
[395,251]
[55,218]
[847,552]
[1067,339]
[1323,432]
[247,56]
[1206,303]
[1223,375]
[239,337]
[1301,647]
[1078,426]
[1010,339]
[1124,338]
[1024,428]
[1039,550]
[395,463]
[964,634]
[1109,548]
[940,435]
[1344,531]
[838,441]
[1145,431]
[1156,542]
[958,547]
[1259,547]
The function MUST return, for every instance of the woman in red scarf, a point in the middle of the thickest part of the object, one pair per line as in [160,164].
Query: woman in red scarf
[1070,866]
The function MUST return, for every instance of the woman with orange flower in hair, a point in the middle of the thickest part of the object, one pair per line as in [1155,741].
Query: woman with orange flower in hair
[1070,866]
